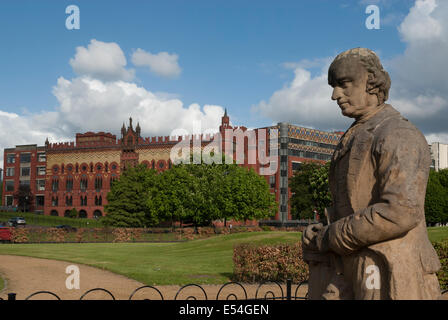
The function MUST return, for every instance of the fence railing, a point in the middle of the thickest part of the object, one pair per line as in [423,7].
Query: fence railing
[272,291]
[200,294]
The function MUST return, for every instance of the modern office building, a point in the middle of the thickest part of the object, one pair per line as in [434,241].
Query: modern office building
[439,155]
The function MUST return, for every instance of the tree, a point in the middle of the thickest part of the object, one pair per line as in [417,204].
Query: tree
[436,201]
[310,190]
[201,193]
[127,199]
[24,197]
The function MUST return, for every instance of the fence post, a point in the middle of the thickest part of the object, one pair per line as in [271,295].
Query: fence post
[11,296]
[288,289]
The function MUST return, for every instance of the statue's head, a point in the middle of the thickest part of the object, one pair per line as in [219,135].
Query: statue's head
[359,81]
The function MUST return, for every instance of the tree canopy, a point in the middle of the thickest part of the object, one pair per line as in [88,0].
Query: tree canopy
[310,190]
[188,193]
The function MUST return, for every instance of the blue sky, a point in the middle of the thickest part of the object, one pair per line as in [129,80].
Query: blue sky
[246,56]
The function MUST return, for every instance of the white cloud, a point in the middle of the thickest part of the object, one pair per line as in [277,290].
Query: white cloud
[100,99]
[306,100]
[419,24]
[162,63]
[419,82]
[419,79]
[101,60]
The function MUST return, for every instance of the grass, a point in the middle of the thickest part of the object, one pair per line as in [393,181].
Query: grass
[437,234]
[50,221]
[203,261]
[2,284]
[197,261]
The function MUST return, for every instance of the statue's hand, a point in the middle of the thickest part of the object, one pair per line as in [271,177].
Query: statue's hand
[315,238]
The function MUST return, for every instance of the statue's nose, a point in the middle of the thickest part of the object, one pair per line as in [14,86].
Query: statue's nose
[336,93]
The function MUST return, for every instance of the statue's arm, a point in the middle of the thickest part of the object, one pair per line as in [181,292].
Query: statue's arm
[401,158]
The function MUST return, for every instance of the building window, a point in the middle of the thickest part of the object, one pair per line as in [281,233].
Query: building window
[68,200]
[9,185]
[9,200]
[54,201]
[62,169]
[83,183]
[98,183]
[25,172]
[9,172]
[84,201]
[55,169]
[41,171]
[272,181]
[296,166]
[98,200]
[40,185]
[25,157]
[24,182]
[11,158]
[69,184]
[41,157]
[55,185]
[40,201]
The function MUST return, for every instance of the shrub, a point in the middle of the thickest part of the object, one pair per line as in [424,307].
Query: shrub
[269,263]
[56,235]
[19,235]
[442,252]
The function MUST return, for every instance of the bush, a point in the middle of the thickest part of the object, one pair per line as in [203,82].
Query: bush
[19,235]
[442,252]
[269,263]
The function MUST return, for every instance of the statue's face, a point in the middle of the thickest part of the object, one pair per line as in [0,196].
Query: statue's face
[349,82]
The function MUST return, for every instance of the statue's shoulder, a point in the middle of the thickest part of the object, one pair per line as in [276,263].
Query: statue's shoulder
[390,122]
[392,130]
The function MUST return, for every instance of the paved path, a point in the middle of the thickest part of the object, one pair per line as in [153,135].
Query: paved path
[26,275]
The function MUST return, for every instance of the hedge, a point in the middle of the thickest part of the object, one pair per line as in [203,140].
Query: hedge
[254,264]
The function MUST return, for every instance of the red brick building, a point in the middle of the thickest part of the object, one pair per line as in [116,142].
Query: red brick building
[78,174]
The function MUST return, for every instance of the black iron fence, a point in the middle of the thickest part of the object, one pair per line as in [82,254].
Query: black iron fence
[264,291]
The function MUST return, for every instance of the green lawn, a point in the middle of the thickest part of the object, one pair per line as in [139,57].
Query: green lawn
[197,261]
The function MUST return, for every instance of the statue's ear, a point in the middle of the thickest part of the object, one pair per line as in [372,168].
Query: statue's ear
[370,86]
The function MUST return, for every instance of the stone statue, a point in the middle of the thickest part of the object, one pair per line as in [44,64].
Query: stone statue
[375,243]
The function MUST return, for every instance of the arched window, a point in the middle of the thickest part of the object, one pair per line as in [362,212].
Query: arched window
[54,213]
[83,183]
[98,182]
[69,184]
[55,184]
[82,213]
[97,214]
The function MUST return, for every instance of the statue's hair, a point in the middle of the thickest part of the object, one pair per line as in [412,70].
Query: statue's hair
[378,81]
